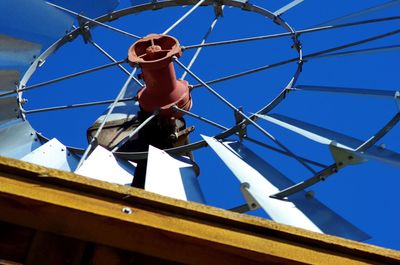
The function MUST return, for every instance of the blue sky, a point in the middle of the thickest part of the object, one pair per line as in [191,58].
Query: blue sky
[366,194]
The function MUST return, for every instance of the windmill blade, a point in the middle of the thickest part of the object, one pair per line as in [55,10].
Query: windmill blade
[287,7]
[389,48]
[16,52]
[33,21]
[89,8]
[9,104]
[360,13]
[347,90]
[262,180]
[326,136]
[172,176]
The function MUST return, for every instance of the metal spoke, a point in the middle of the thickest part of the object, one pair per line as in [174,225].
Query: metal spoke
[362,12]
[200,118]
[93,142]
[306,57]
[79,105]
[183,17]
[127,138]
[210,29]
[262,130]
[286,34]
[98,47]
[94,21]
[71,76]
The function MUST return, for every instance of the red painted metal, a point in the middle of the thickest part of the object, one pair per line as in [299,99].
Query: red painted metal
[162,90]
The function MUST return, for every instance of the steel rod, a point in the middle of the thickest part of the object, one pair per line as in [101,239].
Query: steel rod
[73,75]
[111,58]
[306,57]
[79,105]
[93,142]
[196,54]
[230,105]
[286,34]
[94,21]
[183,17]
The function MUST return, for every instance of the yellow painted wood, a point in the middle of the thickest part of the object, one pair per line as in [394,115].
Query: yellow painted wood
[91,210]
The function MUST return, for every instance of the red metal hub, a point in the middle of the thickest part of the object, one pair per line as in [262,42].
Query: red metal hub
[162,90]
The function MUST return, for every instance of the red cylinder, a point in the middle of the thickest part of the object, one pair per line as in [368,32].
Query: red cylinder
[162,90]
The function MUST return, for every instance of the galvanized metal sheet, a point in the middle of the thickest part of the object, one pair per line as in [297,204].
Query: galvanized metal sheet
[326,136]
[8,79]
[53,154]
[17,52]
[9,108]
[17,138]
[172,177]
[263,180]
[102,165]
[9,104]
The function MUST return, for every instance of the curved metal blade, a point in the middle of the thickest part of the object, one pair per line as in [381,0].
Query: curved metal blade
[348,90]
[263,180]
[326,136]
[360,13]
[16,53]
[172,177]
[9,104]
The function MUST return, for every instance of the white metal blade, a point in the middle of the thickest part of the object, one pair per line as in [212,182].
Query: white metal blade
[263,180]
[53,154]
[260,189]
[102,165]
[171,176]
[17,138]
[326,136]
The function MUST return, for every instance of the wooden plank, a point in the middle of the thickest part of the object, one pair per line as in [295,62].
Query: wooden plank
[162,227]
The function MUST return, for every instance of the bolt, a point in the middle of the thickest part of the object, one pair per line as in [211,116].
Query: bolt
[127,210]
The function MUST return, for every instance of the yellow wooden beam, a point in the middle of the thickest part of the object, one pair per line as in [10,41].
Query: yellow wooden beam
[135,220]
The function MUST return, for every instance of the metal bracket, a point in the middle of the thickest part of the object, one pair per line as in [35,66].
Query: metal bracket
[84,29]
[250,200]
[397,98]
[239,119]
[344,157]
[218,8]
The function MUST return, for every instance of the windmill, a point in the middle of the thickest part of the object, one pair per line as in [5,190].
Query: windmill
[263,185]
